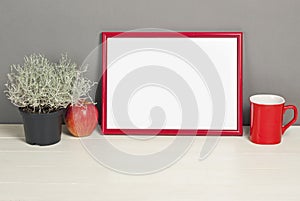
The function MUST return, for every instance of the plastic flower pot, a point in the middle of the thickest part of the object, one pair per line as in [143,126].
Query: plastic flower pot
[42,129]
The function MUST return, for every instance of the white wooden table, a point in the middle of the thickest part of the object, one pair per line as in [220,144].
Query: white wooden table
[235,170]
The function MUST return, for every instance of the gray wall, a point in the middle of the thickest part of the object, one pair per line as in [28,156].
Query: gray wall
[51,27]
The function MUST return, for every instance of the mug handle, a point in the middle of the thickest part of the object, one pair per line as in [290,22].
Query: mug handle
[285,108]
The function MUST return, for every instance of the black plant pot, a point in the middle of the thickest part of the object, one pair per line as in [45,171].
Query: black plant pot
[42,129]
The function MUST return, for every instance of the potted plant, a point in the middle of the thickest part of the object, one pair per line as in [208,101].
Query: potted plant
[42,90]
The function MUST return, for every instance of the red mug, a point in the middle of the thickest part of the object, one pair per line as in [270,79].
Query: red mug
[267,112]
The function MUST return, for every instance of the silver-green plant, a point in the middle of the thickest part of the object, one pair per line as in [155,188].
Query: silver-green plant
[40,86]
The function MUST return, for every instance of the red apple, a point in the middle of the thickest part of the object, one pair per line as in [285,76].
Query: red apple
[81,120]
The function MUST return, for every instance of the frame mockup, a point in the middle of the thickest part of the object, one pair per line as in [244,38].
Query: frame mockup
[172,83]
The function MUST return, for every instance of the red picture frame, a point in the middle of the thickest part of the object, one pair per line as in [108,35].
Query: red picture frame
[236,130]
